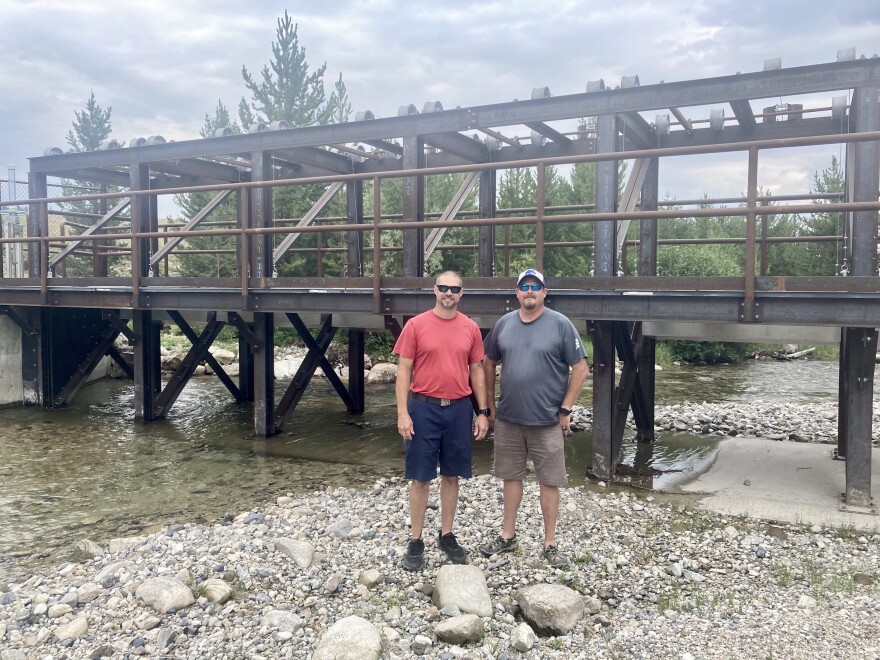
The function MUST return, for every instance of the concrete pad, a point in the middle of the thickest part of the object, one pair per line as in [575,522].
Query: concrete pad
[787,481]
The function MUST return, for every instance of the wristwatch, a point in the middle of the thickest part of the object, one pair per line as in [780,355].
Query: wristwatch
[484,411]
[565,412]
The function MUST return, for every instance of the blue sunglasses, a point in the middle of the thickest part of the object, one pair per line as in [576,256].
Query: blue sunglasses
[530,287]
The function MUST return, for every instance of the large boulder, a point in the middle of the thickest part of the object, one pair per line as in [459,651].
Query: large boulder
[463,629]
[301,552]
[465,587]
[551,608]
[383,372]
[164,593]
[351,638]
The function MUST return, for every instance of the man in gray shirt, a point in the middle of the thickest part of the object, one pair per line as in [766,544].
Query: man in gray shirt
[537,347]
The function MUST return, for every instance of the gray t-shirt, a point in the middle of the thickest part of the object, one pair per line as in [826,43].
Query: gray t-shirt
[535,359]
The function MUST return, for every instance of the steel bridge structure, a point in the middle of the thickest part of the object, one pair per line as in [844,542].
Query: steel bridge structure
[69,321]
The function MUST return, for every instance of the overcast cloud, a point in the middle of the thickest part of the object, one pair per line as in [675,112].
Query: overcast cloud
[163,65]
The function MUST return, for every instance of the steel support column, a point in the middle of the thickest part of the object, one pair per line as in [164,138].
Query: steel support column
[858,365]
[648,268]
[141,219]
[248,345]
[264,374]
[354,240]
[602,335]
[487,200]
[865,182]
[356,379]
[30,356]
[261,216]
[37,189]
[859,345]
[604,265]
[413,208]
[147,363]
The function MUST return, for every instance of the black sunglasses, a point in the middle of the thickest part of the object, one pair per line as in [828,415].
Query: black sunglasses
[443,288]
[530,287]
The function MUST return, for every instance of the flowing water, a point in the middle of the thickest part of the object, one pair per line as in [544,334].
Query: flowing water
[88,470]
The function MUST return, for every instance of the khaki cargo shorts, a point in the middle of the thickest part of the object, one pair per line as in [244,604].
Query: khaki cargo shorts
[514,443]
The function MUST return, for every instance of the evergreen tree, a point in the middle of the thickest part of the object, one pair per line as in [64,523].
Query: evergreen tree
[287,90]
[91,126]
[221,119]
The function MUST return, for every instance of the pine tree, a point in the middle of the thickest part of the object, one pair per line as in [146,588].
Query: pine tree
[287,90]
[91,127]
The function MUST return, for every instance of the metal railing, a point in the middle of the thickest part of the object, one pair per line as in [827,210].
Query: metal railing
[139,243]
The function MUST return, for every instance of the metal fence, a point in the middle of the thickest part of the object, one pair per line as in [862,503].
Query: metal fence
[10,190]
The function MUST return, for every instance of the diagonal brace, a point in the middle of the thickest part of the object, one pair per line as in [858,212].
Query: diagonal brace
[116,210]
[307,219]
[314,358]
[244,329]
[187,367]
[105,343]
[216,367]
[196,220]
[458,199]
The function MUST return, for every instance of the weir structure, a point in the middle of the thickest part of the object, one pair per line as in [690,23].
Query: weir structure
[369,263]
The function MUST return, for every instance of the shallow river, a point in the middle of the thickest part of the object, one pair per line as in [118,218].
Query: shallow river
[89,470]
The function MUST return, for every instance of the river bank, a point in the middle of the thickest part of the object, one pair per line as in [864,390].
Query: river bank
[649,579]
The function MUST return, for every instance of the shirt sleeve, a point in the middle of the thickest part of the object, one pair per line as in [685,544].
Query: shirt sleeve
[490,344]
[573,348]
[477,352]
[405,346]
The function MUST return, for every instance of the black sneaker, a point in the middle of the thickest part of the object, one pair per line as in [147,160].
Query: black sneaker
[554,557]
[415,555]
[449,545]
[499,546]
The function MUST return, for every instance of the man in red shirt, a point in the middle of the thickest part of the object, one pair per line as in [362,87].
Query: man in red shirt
[441,354]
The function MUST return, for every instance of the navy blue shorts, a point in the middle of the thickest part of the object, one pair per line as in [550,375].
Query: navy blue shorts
[440,434]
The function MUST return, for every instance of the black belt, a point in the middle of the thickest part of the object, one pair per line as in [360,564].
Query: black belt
[432,399]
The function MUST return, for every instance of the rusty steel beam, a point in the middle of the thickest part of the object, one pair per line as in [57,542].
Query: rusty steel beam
[456,144]
[315,157]
[742,110]
[549,132]
[766,84]
[635,129]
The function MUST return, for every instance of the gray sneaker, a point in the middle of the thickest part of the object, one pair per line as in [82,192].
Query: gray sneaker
[449,544]
[415,555]
[554,557]
[499,546]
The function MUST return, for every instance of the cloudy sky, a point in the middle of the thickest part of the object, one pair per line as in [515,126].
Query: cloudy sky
[162,65]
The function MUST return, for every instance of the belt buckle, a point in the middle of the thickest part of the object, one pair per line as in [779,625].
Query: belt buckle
[445,402]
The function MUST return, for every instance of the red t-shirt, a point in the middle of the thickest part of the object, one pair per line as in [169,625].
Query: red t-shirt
[441,351]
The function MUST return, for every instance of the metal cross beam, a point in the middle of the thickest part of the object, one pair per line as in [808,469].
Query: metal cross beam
[194,222]
[116,210]
[307,219]
[458,199]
